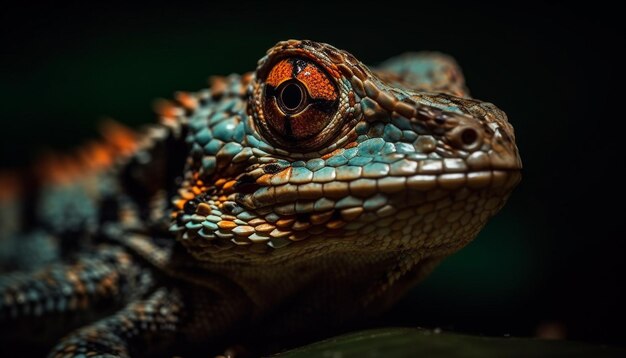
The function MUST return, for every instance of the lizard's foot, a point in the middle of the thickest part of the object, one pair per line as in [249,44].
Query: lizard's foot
[142,325]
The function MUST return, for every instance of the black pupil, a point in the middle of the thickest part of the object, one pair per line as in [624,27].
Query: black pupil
[292,96]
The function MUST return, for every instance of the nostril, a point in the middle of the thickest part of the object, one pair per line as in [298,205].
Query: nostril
[469,136]
[465,137]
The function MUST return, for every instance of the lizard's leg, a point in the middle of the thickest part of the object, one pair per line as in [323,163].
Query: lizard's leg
[47,303]
[426,72]
[148,325]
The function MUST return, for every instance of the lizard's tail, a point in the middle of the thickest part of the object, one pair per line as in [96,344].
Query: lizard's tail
[41,203]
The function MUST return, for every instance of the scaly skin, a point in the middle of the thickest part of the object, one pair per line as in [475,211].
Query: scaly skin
[306,196]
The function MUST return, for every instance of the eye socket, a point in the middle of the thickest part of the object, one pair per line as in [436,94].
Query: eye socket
[299,100]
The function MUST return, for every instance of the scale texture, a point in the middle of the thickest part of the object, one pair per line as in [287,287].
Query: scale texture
[274,206]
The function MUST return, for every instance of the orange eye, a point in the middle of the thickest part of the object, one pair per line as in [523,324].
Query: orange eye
[299,99]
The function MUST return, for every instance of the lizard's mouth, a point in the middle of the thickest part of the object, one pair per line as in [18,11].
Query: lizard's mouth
[320,195]
[300,190]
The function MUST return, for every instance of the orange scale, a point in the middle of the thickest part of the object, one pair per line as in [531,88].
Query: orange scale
[280,73]
[317,83]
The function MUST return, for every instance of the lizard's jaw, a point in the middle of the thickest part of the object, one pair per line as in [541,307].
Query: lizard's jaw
[439,203]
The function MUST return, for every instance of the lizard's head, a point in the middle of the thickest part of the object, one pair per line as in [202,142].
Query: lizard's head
[323,154]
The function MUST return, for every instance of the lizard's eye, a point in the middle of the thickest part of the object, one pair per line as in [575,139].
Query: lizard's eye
[299,100]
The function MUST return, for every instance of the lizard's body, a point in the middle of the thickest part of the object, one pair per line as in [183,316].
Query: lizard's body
[306,196]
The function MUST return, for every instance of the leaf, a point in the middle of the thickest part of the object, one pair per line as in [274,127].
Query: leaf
[417,342]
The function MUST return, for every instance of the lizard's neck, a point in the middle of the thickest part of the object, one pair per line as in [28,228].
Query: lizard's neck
[313,281]
[329,284]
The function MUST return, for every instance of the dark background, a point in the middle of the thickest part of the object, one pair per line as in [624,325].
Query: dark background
[554,256]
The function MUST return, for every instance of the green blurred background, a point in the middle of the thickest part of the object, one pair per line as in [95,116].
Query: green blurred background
[554,256]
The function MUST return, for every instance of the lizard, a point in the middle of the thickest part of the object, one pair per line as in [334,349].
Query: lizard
[296,199]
